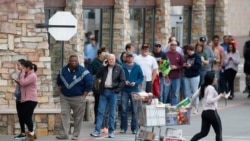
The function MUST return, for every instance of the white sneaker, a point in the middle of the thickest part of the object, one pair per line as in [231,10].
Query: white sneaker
[195,111]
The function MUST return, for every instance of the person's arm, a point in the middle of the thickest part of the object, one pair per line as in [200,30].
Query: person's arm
[154,74]
[210,54]
[122,80]
[29,79]
[139,76]
[195,95]
[197,63]
[236,57]
[211,92]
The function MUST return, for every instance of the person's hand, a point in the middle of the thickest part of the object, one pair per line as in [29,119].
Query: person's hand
[127,83]
[222,95]
[132,84]
[230,58]
[173,67]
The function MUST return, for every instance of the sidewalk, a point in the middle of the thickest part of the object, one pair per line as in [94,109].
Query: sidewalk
[88,127]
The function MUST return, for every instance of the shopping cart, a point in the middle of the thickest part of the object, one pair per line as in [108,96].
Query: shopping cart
[148,117]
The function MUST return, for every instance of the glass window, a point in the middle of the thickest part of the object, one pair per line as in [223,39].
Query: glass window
[142,25]
[98,22]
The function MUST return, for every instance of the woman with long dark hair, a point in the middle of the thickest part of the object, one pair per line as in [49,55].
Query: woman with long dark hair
[209,97]
[17,94]
[231,62]
[28,85]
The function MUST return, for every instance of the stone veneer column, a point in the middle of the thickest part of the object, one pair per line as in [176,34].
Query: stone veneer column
[121,30]
[75,44]
[20,39]
[220,27]
[162,21]
[198,20]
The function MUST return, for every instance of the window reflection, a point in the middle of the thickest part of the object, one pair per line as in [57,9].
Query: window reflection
[141,25]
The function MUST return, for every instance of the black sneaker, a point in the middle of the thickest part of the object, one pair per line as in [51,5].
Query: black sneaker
[21,136]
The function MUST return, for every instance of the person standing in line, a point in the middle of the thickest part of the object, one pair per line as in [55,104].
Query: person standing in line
[17,94]
[231,62]
[74,83]
[209,97]
[148,65]
[246,54]
[96,65]
[246,90]
[199,48]
[112,81]
[218,59]
[176,63]
[159,56]
[29,101]
[90,51]
[192,67]
[134,78]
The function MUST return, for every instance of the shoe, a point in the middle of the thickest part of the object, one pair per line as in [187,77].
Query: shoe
[95,134]
[123,131]
[74,138]
[111,135]
[195,111]
[230,97]
[62,137]
[134,132]
[21,136]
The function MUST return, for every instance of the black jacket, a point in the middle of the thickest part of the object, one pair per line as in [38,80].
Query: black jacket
[118,78]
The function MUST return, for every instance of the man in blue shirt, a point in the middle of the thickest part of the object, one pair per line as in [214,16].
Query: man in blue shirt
[74,82]
[90,51]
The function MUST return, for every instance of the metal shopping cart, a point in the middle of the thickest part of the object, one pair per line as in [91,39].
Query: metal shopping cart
[154,115]
[148,117]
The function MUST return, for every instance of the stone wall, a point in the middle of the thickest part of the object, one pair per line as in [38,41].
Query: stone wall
[121,31]
[162,24]
[220,27]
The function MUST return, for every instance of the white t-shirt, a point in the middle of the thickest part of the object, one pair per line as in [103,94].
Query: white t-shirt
[147,64]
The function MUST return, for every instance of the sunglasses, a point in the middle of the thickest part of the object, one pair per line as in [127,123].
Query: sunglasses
[173,44]
[92,38]
[158,46]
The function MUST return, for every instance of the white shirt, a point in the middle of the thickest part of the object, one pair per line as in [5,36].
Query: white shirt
[147,64]
[209,101]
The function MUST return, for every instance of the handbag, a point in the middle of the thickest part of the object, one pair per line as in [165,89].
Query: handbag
[96,86]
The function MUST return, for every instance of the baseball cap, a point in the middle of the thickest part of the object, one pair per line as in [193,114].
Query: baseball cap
[128,54]
[145,45]
[157,43]
[203,39]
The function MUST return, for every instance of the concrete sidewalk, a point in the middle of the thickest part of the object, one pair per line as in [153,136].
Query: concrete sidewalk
[88,127]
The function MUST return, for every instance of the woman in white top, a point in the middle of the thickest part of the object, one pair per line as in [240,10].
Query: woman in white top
[209,97]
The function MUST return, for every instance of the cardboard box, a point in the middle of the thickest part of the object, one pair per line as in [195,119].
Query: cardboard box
[152,116]
[173,139]
[146,135]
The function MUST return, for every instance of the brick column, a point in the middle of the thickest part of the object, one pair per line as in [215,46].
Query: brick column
[198,20]
[75,44]
[220,18]
[162,21]
[121,31]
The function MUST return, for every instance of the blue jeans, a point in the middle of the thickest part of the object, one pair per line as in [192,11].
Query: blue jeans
[162,88]
[110,98]
[182,88]
[174,86]
[202,76]
[217,74]
[125,97]
[192,85]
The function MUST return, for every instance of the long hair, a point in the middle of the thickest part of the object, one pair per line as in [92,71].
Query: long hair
[209,79]
[29,64]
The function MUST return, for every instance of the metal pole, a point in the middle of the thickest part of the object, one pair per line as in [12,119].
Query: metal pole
[62,53]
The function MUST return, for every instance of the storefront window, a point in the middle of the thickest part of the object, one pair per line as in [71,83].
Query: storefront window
[142,25]
[98,22]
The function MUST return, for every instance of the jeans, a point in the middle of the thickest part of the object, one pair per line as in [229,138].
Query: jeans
[182,88]
[202,77]
[191,85]
[162,88]
[174,87]
[217,74]
[222,80]
[125,97]
[110,98]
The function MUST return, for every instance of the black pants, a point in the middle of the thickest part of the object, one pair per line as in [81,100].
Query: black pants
[21,122]
[209,117]
[230,74]
[26,113]
[148,88]
[96,104]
